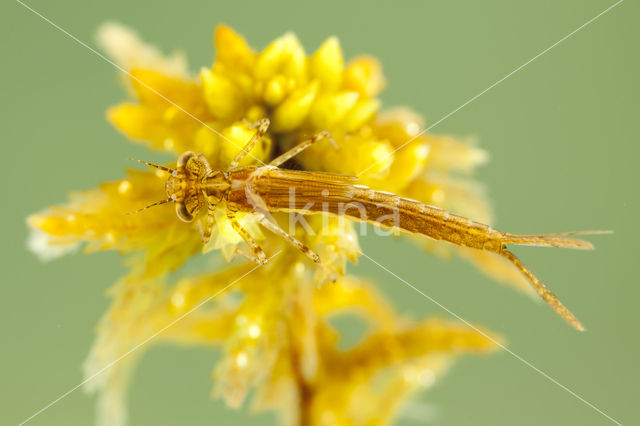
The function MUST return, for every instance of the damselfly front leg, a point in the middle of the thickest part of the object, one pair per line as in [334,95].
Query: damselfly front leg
[257,253]
[209,222]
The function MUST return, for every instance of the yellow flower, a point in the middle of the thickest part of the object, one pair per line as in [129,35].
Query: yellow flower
[276,337]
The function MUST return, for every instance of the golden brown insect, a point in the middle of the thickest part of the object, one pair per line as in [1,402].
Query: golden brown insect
[195,188]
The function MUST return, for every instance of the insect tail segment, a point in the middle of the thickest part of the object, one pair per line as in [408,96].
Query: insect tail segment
[547,295]
[562,239]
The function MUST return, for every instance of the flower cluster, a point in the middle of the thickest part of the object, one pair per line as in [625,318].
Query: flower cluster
[272,322]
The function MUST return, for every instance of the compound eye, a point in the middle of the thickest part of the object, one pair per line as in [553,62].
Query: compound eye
[183,213]
[184,158]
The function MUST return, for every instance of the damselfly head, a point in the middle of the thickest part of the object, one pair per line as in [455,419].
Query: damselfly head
[187,183]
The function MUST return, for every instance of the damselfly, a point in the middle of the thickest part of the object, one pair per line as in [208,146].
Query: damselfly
[196,189]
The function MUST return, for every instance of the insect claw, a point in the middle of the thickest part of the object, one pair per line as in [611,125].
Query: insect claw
[258,260]
[261,122]
[261,258]
[327,135]
[204,235]
[326,274]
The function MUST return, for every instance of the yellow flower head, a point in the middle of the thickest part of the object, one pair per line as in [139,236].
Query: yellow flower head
[272,325]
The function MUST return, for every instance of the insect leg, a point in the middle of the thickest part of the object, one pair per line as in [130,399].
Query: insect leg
[301,147]
[205,231]
[273,227]
[238,251]
[262,125]
[258,255]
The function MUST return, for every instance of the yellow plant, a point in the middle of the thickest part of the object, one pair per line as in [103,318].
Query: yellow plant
[271,322]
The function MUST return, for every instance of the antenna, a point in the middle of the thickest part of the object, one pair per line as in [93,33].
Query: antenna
[168,200]
[163,168]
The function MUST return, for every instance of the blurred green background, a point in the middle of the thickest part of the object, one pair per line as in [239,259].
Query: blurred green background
[562,134]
